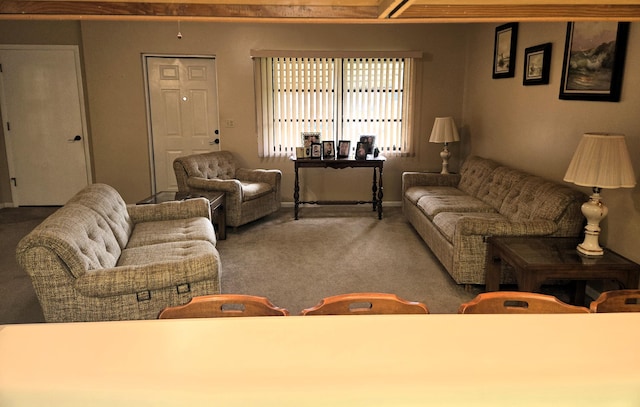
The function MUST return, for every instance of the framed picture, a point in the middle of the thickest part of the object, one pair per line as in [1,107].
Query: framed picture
[537,61]
[328,149]
[371,140]
[361,150]
[316,150]
[504,51]
[594,57]
[310,137]
[343,148]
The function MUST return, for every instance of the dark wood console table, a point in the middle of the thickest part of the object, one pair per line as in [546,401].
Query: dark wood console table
[539,259]
[340,163]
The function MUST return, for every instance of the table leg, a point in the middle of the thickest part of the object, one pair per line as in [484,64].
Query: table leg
[222,222]
[380,194]
[374,190]
[493,269]
[296,194]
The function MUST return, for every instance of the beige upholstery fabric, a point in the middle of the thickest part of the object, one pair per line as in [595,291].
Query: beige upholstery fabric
[454,214]
[249,193]
[99,259]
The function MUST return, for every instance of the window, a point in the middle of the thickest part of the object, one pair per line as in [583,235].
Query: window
[342,98]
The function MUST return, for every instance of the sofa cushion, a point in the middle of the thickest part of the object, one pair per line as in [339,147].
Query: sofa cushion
[413,194]
[474,173]
[446,222]
[433,204]
[220,165]
[105,200]
[501,182]
[177,230]
[254,190]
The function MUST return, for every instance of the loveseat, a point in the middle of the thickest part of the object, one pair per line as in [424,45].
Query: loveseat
[97,258]
[455,213]
[250,193]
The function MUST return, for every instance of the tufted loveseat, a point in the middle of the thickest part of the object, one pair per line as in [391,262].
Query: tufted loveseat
[98,259]
[455,213]
[249,193]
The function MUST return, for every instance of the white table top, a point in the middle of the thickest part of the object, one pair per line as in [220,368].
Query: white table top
[401,360]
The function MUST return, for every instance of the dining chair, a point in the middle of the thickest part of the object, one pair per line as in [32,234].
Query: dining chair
[617,301]
[365,304]
[224,305]
[517,302]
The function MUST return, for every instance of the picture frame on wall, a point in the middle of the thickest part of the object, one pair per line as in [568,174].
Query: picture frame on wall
[504,51]
[537,61]
[593,63]
[343,148]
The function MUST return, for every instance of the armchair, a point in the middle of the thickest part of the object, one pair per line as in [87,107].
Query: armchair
[249,193]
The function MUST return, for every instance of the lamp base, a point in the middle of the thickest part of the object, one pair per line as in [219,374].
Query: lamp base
[594,210]
[445,154]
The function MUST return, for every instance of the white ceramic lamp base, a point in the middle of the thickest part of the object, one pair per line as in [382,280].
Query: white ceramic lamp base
[594,210]
[445,154]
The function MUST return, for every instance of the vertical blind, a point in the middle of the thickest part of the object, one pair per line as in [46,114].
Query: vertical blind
[341,98]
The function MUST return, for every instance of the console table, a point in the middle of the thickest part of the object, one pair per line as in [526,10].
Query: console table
[376,163]
[538,259]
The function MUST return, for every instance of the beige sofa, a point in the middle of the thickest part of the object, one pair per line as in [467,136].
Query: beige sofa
[455,213]
[249,193]
[98,259]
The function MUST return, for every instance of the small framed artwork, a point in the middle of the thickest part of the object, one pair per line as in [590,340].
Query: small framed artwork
[361,150]
[343,148]
[504,51]
[316,150]
[328,149]
[371,140]
[593,62]
[309,137]
[537,61]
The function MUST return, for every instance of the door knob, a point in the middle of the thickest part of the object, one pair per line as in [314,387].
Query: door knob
[76,138]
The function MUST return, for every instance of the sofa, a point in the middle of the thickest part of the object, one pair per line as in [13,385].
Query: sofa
[455,213]
[250,193]
[98,259]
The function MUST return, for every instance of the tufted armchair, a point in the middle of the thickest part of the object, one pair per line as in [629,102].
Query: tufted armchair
[249,193]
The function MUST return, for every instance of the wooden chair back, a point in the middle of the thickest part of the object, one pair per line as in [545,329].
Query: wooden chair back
[617,301]
[517,302]
[224,305]
[365,304]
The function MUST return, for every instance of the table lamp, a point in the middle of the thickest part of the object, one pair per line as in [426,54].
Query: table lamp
[444,131]
[600,161]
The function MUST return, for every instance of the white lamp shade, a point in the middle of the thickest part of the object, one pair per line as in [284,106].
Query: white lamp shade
[601,160]
[444,131]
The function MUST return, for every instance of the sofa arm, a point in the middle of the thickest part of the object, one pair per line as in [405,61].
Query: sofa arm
[496,227]
[271,177]
[190,208]
[414,179]
[116,281]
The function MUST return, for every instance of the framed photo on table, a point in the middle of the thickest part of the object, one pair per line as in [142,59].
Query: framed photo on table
[328,149]
[504,51]
[537,61]
[593,62]
[316,150]
[361,150]
[343,148]
[370,140]
[309,137]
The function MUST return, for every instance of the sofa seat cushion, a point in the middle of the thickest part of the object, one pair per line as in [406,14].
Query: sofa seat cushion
[446,222]
[176,230]
[435,204]
[414,194]
[255,190]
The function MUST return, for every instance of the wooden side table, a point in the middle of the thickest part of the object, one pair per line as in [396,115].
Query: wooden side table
[536,260]
[216,204]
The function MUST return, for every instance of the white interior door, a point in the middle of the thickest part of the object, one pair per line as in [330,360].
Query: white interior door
[183,105]
[42,108]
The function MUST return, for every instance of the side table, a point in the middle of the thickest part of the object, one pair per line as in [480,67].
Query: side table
[539,259]
[216,204]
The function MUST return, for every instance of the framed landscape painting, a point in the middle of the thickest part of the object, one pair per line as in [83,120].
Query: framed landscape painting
[504,51]
[537,61]
[594,60]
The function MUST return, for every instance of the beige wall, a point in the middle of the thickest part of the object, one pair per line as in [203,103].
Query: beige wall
[530,128]
[112,53]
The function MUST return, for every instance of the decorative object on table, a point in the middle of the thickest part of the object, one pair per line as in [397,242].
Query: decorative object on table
[309,137]
[504,51]
[316,150]
[600,161]
[328,150]
[343,148]
[537,61]
[594,60]
[371,140]
[444,131]
[300,152]
[361,150]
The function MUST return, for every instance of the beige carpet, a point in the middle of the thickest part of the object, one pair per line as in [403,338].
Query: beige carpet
[333,250]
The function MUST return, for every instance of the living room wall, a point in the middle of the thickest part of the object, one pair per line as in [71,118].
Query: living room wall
[530,128]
